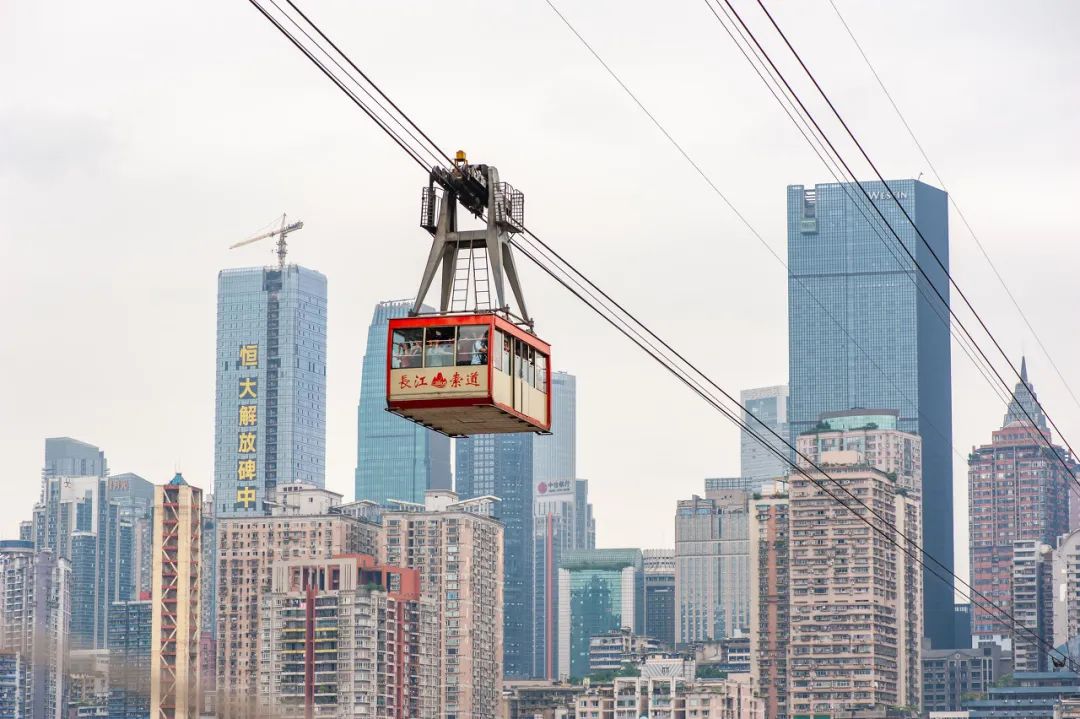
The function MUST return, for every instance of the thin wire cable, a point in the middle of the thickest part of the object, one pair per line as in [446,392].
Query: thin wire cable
[727,413]
[918,232]
[942,298]
[953,202]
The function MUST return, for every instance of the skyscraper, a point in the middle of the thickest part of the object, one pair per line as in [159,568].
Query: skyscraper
[862,333]
[1018,491]
[270,413]
[600,591]
[659,568]
[555,455]
[395,458]
[770,406]
[712,567]
[175,690]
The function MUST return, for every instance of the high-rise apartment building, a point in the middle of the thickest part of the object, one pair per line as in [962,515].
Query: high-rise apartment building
[855,613]
[175,620]
[659,575]
[501,465]
[600,591]
[1018,490]
[769,406]
[770,622]
[457,549]
[130,634]
[1065,587]
[1032,606]
[395,458]
[348,637]
[306,523]
[874,435]
[270,411]
[712,565]
[864,331]
[35,623]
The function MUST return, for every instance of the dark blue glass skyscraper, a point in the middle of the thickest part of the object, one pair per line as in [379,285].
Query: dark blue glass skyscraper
[865,329]
[395,458]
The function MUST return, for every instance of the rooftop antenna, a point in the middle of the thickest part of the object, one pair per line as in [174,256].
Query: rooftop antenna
[282,247]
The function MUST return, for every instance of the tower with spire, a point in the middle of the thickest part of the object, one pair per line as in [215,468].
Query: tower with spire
[1024,405]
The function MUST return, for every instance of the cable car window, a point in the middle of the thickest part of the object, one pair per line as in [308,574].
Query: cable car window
[530,367]
[519,360]
[506,353]
[472,345]
[407,344]
[439,347]
[496,350]
[541,372]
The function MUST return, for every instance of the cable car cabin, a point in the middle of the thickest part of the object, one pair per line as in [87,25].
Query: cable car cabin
[468,374]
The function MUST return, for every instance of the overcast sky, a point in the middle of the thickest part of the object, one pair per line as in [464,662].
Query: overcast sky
[138,140]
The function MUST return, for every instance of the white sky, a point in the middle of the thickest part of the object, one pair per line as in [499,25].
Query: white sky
[138,140]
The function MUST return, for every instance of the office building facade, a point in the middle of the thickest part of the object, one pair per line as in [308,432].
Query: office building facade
[456,546]
[769,407]
[863,333]
[600,591]
[395,458]
[712,567]
[952,675]
[270,409]
[176,618]
[35,624]
[1018,490]
[659,573]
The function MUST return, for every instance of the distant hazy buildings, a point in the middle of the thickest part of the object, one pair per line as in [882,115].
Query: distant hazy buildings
[395,458]
[862,333]
[35,622]
[600,591]
[457,548]
[1018,490]
[130,634]
[712,555]
[270,412]
[769,407]
[555,455]
[659,569]
[175,690]
[615,650]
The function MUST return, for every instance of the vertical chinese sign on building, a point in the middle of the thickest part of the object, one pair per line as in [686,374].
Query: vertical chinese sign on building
[247,469]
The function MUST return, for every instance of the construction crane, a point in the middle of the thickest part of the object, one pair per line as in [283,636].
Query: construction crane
[281,233]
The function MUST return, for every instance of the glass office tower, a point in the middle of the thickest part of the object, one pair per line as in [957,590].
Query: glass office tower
[864,331]
[395,458]
[769,406]
[270,413]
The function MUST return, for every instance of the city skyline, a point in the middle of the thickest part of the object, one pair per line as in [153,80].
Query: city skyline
[184,293]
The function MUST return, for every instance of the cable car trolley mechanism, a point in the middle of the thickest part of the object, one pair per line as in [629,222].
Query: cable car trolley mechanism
[473,367]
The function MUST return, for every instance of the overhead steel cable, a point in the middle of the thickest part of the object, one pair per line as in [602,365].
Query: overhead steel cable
[953,202]
[944,301]
[669,364]
[911,222]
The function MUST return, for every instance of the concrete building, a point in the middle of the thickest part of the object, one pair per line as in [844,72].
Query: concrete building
[770,623]
[952,675]
[1032,606]
[873,434]
[712,567]
[863,333]
[305,524]
[856,601]
[612,651]
[175,625]
[457,548]
[659,568]
[1017,491]
[270,409]
[88,682]
[769,408]
[530,699]
[35,624]
[130,634]
[12,685]
[1028,695]
[395,458]
[1065,587]
[600,591]
[348,637]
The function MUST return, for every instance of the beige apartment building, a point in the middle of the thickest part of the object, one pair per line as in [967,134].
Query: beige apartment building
[456,547]
[855,598]
[304,523]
